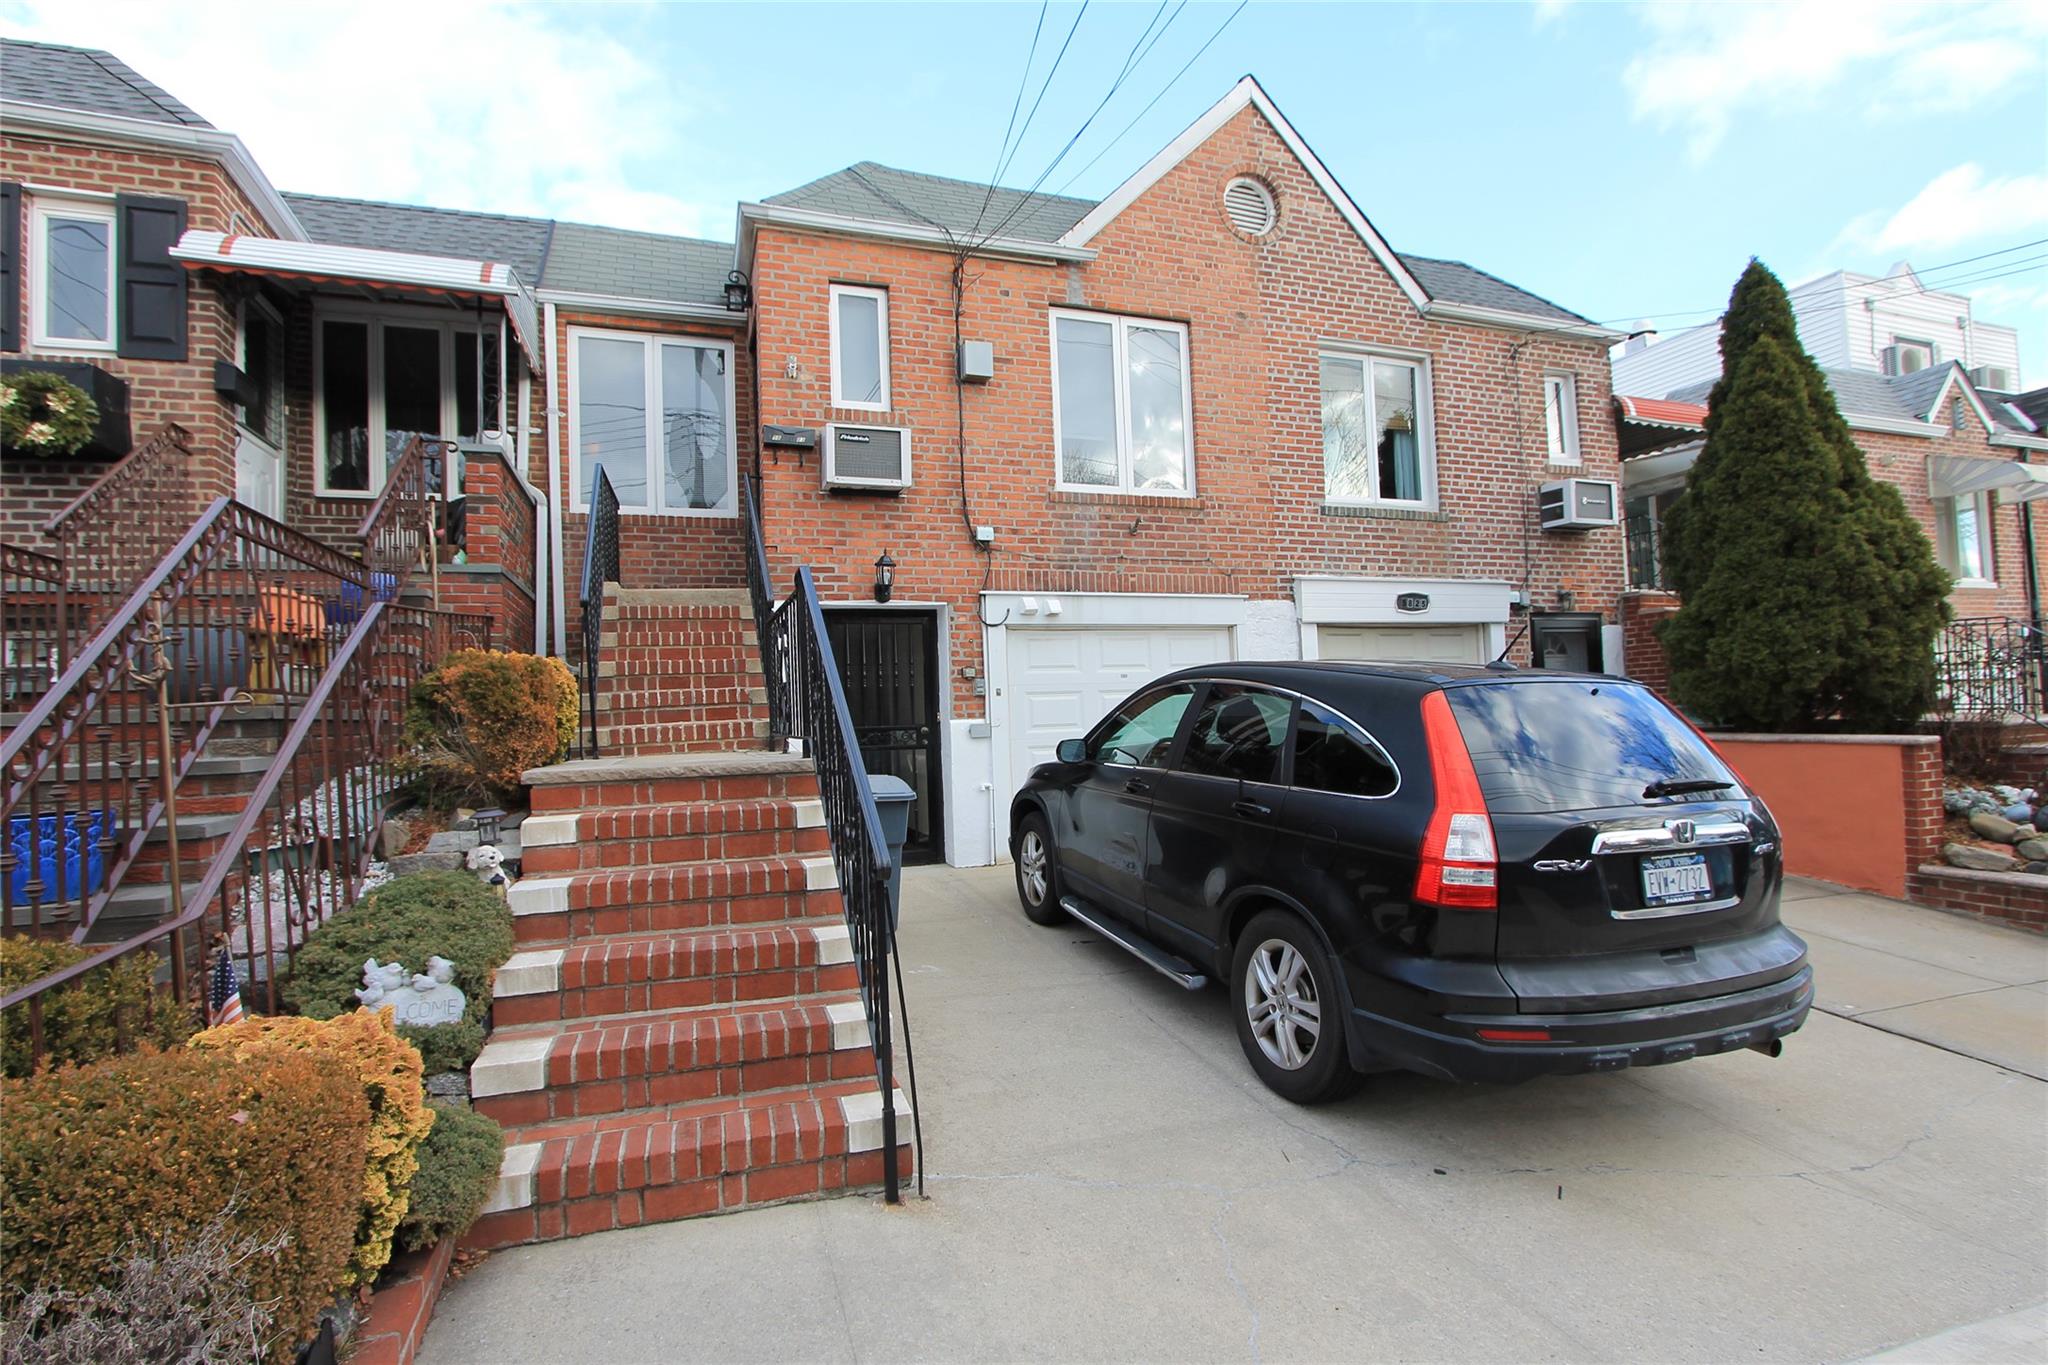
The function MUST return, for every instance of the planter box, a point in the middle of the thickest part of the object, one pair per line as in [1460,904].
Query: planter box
[114,436]
[1859,810]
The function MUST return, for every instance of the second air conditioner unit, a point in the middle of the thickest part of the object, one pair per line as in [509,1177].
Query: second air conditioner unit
[874,459]
[1577,504]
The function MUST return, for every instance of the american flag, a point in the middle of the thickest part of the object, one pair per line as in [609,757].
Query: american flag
[224,999]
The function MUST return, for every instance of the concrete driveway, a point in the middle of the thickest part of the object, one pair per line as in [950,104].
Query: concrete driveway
[1107,1181]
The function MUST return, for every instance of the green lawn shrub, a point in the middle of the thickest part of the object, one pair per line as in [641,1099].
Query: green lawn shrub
[458,1170]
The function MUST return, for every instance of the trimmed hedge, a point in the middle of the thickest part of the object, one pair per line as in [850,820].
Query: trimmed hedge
[79,1020]
[388,1069]
[407,920]
[459,1164]
[481,719]
[154,1146]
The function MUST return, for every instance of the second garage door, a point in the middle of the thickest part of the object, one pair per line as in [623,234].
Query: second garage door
[1435,644]
[1062,681]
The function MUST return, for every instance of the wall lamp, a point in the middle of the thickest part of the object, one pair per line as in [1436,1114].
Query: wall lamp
[885,578]
[739,292]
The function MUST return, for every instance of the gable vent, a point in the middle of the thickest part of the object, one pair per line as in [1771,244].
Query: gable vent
[1250,206]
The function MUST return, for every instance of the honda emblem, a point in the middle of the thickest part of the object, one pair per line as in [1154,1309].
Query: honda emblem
[1681,830]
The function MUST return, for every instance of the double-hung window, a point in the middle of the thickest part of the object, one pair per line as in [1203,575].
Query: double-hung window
[860,348]
[1123,416]
[1378,445]
[1561,418]
[73,275]
[381,380]
[657,413]
[1962,537]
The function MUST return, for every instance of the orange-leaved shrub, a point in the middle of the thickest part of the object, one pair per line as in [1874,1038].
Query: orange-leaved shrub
[388,1069]
[477,722]
[154,1146]
[90,1018]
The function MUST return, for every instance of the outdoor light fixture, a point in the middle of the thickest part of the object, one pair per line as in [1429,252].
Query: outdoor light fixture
[1566,599]
[739,292]
[885,577]
[487,824]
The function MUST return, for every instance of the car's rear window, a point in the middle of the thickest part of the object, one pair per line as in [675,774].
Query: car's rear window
[1546,746]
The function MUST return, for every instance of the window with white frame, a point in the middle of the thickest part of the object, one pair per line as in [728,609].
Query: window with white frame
[72,275]
[1962,537]
[381,379]
[1122,412]
[860,348]
[1561,418]
[1378,446]
[657,413]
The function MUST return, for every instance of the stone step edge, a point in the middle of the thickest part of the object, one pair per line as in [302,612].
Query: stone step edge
[563,827]
[550,895]
[538,971]
[627,768]
[519,1065]
[861,1113]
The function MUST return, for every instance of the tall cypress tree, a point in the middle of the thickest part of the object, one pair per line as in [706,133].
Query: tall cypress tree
[1810,596]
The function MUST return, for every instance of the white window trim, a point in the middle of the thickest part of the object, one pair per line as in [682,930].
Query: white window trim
[1119,325]
[1987,545]
[399,315]
[1562,388]
[651,378]
[1425,403]
[881,298]
[41,210]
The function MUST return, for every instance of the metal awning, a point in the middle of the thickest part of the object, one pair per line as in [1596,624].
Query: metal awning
[1962,476]
[400,271]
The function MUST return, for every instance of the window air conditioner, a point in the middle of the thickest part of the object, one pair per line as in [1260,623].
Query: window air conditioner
[1905,357]
[1577,504]
[876,459]
[1994,377]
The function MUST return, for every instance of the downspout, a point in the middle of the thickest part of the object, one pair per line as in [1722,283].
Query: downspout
[556,460]
[542,577]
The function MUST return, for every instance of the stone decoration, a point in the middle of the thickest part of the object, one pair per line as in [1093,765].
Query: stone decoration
[1994,827]
[422,999]
[1978,859]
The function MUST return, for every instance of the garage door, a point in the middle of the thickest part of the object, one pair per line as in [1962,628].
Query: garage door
[1436,644]
[1062,681]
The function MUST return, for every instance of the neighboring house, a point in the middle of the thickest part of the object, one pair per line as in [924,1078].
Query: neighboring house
[1213,416]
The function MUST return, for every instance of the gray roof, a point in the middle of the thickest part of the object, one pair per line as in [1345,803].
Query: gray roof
[1456,282]
[521,243]
[1919,389]
[85,78]
[1866,393]
[641,265]
[885,194]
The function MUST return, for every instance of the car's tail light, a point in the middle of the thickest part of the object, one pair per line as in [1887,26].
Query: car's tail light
[1460,868]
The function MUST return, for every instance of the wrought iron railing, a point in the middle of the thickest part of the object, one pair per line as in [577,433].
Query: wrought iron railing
[818,714]
[247,612]
[1992,668]
[36,632]
[600,566]
[398,532]
[1644,537]
[759,578]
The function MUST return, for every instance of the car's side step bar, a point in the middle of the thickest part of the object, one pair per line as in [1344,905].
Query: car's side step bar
[1181,972]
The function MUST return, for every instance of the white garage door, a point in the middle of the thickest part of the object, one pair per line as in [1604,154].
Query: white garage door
[1436,644]
[1062,681]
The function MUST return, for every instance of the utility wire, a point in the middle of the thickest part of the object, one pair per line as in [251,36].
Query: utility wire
[1004,164]
[1023,79]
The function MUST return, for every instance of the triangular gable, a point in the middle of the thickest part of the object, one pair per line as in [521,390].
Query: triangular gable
[1957,375]
[1246,92]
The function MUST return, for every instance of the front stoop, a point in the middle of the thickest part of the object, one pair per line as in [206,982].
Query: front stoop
[680,1031]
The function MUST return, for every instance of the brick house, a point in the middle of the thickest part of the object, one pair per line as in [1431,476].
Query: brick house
[1215,415]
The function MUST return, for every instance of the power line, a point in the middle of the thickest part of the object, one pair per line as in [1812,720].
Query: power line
[1023,79]
[1058,57]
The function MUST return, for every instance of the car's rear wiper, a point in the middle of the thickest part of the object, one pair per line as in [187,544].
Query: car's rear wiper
[1666,786]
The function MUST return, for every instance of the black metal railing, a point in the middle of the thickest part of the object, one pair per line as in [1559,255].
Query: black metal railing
[600,566]
[773,670]
[819,716]
[1992,667]
[1644,536]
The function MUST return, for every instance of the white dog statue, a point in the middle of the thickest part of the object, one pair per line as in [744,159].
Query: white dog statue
[489,865]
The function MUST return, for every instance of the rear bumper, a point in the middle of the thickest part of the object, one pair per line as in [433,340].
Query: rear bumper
[1612,1041]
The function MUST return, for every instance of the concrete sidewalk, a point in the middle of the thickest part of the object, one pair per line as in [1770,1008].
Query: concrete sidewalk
[1107,1181]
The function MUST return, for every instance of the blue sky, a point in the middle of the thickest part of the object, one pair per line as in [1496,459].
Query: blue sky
[1625,160]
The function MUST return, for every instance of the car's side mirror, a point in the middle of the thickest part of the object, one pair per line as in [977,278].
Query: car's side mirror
[1072,751]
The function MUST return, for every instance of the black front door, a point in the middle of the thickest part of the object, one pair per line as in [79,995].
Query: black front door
[1567,640]
[889,663]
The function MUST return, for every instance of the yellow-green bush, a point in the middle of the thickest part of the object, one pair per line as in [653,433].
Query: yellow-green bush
[477,722]
[86,1020]
[388,1068]
[154,1147]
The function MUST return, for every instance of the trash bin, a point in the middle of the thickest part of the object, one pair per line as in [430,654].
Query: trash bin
[892,802]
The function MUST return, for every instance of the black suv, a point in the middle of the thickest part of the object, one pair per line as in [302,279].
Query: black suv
[1482,874]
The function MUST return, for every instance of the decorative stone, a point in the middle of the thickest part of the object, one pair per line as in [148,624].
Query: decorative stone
[449,1085]
[1977,859]
[2034,850]
[1994,827]
[425,862]
[454,841]
[2039,869]
[393,837]
[2021,813]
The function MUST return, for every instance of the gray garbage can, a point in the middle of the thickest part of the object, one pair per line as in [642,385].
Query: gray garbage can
[892,802]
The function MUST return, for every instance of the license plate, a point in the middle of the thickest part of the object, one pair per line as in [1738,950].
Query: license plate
[1676,878]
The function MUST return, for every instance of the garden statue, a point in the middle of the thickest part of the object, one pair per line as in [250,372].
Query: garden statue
[380,979]
[488,862]
[440,971]
[430,998]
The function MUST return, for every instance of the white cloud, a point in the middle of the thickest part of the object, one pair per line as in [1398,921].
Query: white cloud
[1958,206]
[485,104]
[1708,63]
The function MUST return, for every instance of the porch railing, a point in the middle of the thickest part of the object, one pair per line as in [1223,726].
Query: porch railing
[35,623]
[245,612]
[398,532]
[600,566]
[762,596]
[1992,668]
[1643,535]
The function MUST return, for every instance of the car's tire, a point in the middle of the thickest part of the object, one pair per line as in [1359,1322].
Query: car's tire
[1038,872]
[1289,1011]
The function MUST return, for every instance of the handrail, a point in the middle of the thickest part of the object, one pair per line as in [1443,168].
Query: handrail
[115,489]
[600,566]
[773,669]
[399,527]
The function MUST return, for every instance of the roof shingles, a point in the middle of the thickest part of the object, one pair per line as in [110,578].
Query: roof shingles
[87,79]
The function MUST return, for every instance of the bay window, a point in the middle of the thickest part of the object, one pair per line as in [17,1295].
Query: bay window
[1378,446]
[683,460]
[1122,412]
[379,381]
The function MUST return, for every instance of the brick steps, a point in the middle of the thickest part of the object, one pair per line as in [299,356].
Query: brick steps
[644,835]
[623,975]
[673,737]
[677,896]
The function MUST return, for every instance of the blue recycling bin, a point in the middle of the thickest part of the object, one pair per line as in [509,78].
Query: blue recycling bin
[893,798]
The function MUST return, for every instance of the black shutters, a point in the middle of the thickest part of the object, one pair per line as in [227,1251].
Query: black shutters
[10,267]
[149,287]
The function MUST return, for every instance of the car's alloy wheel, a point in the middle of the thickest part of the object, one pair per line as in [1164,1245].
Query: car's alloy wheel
[1038,872]
[1283,1004]
[1031,868]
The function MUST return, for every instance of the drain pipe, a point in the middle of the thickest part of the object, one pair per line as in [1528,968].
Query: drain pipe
[543,577]
[557,495]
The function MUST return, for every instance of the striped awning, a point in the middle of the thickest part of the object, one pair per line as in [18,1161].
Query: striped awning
[1962,476]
